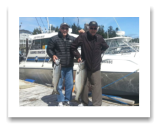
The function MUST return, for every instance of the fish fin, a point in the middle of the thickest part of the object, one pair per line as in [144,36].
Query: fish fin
[52,93]
[55,92]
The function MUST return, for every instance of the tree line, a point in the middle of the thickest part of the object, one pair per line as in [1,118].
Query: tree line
[111,31]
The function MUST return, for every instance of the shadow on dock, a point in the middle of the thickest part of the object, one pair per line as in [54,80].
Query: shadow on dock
[51,100]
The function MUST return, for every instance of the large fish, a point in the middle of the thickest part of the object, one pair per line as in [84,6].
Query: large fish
[80,79]
[56,76]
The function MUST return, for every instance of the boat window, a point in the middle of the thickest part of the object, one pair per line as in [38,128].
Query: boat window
[39,43]
[117,46]
[21,41]
[45,41]
[108,42]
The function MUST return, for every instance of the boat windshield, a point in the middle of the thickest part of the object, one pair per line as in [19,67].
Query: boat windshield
[39,44]
[119,45]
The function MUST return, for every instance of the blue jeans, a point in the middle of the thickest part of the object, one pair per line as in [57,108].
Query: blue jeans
[67,74]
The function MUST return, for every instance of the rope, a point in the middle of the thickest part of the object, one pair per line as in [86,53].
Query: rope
[37,22]
[117,23]
[120,79]
[42,23]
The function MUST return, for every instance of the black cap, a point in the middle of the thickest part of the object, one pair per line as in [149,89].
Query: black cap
[93,23]
[64,24]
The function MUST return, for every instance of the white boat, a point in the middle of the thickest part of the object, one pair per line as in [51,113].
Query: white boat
[119,67]
[37,65]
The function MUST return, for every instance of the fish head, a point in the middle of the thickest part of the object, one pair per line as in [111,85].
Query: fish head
[82,65]
[57,61]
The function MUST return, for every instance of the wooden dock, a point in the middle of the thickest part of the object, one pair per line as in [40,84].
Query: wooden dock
[33,94]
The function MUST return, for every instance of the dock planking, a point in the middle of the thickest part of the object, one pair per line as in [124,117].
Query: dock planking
[33,94]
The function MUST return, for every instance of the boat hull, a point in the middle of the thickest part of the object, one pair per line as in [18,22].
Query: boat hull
[118,82]
[41,76]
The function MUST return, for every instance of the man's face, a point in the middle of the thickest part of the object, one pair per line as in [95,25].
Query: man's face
[64,30]
[92,30]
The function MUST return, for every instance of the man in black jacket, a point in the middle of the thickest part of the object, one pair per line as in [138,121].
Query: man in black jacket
[92,46]
[59,47]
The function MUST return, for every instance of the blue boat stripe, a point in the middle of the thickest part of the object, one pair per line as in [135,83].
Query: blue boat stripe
[33,59]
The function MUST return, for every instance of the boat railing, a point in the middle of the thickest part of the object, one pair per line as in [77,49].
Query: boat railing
[131,48]
[27,55]
[44,60]
[49,60]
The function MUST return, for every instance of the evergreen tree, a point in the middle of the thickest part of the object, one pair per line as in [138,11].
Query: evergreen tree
[117,29]
[74,29]
[57,29]
[52,27]
[36,31]
[110,31]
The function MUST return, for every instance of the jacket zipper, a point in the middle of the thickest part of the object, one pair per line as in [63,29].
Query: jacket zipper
[65,50]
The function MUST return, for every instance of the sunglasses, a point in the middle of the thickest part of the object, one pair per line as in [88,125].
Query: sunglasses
[93,28]
[64,28]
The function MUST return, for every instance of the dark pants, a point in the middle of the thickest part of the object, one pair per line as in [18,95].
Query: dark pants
[94,81]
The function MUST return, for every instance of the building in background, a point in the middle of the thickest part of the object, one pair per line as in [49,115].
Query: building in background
[23,35]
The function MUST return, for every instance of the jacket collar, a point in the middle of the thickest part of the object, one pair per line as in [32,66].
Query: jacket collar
[61,35]
[90,37]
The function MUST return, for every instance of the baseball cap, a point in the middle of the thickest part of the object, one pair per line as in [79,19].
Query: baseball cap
[64,24]
[93,23]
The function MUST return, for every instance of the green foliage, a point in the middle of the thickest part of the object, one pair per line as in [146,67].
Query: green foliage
[136,40]
[52,27]
[36,31]
[111,32]
[57,29]
[101,31]
[75,28]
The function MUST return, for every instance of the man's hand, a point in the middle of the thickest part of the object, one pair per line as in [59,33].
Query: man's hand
[81,31]
[54,57]
[79,60]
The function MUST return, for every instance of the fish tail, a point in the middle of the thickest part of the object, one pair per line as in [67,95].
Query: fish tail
[74,100]
[55,92]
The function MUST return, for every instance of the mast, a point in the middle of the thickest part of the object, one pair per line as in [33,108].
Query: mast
[48,24]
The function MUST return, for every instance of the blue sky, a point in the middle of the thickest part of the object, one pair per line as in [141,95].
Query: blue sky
[128,24]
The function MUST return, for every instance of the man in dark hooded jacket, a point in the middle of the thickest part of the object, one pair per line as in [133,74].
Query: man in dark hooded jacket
[92,46]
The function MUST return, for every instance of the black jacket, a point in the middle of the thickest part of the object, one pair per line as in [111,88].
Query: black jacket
[60,47]
[91,49]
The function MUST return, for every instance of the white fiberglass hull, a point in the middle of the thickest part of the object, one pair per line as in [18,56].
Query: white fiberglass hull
[117,74]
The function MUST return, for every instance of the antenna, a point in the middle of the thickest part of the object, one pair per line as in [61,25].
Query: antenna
[48,22]
[42,23]
[38,24]
[117,23]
